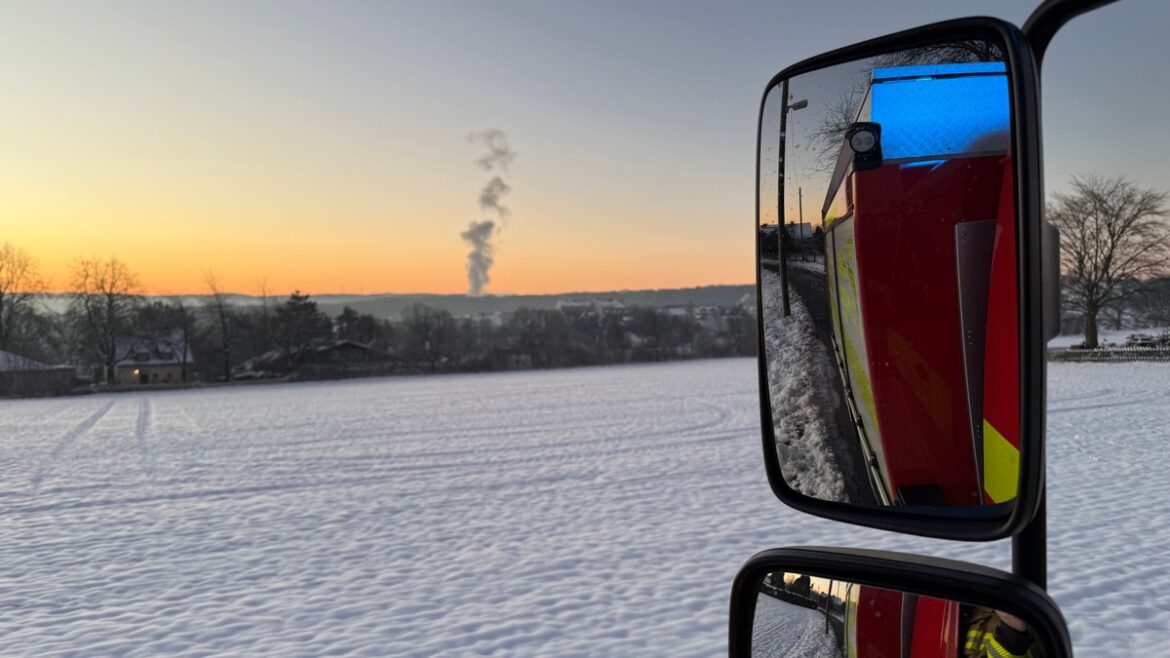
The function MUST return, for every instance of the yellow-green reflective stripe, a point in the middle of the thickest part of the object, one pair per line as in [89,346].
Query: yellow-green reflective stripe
[1001,465]
[859,378]
[985,644]
[855,364]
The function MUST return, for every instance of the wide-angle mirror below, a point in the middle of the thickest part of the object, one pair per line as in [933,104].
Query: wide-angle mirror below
[810,602]
[809,616]
[887,245]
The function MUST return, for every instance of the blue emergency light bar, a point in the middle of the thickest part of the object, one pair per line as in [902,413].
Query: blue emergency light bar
[940,110]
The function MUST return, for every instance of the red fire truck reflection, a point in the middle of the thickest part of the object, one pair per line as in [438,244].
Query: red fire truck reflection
[920,253]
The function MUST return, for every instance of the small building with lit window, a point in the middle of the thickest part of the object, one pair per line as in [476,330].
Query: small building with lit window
[147,364]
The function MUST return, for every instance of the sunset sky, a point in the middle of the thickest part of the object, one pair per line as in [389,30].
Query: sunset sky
[321,146]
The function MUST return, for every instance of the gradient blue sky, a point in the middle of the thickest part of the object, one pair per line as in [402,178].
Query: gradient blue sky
[321,145]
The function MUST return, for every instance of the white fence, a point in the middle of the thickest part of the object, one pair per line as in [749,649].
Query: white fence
[1107,354]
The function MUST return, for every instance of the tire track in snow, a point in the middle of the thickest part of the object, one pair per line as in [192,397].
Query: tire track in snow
[632,441]
[426,435]
[1109,402]
[1095,395]
[143,426]
[70,437]
[617,433]
[384,476]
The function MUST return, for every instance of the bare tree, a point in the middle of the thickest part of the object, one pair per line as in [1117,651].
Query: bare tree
[300,324]
[358,327]
[826,138]
[105,293]
[1112,233]
[430,334]
[951,52]
[838,115]
[267,317]
[1151,303]
[20,283]
[184,335]
[220,311]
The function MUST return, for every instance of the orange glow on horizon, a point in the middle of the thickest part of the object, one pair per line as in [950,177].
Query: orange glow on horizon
[173,243]
[173,266]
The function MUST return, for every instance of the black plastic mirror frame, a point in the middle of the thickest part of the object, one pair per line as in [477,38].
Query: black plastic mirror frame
[1025,130]
[927,576]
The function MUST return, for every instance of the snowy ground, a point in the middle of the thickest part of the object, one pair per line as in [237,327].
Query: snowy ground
[805,399]
[784,630]
[595,512]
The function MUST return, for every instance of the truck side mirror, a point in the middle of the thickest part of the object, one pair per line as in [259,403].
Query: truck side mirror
[852,602]
[898,233]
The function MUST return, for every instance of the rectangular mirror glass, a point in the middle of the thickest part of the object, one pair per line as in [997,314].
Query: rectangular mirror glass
[810,616]
[887,248]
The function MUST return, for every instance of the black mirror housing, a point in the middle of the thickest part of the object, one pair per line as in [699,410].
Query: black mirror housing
[923,509]
[864,602]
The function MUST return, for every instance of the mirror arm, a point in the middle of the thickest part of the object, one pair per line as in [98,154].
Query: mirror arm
[1049,17]
[1030,548]
[1030,545]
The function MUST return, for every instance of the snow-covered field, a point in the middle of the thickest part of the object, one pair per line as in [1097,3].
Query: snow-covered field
[783,630]
[595,512]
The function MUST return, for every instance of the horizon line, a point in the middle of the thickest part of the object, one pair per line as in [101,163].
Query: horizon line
[432,294]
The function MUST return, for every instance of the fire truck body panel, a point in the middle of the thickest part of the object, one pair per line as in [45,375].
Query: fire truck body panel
[1000,426]
[869,630]
[935,629]
[901,255]
[882,623]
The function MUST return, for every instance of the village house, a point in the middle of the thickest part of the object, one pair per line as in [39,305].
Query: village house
[149,362]
[320,360]
[22,376]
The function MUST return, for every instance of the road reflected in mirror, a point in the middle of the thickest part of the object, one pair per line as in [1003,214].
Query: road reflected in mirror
[887,265]
[803,616]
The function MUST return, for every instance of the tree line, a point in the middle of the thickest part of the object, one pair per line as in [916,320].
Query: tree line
[220,338]
[1115,255]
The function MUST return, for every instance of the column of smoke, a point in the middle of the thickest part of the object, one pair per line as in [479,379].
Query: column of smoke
[479,234]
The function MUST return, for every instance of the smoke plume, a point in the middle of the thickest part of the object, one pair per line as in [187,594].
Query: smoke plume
[489,198]
[498,155]
[479,261]
[481,233]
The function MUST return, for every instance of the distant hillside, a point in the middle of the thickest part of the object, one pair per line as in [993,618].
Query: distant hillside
[388,305]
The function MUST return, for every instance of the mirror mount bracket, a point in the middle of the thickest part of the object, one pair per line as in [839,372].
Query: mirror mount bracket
[1047,19]
[1030,549]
